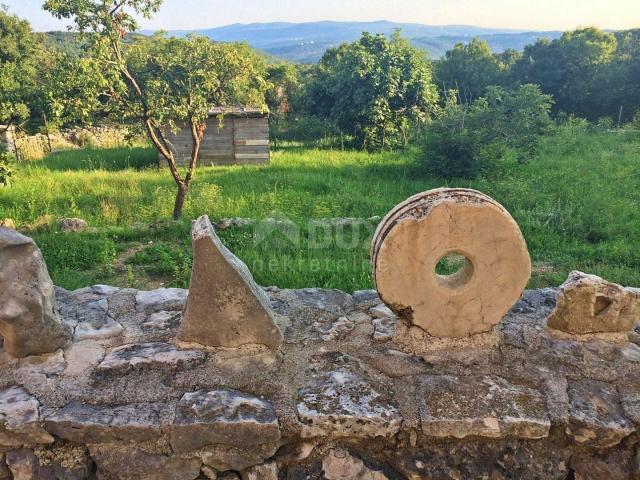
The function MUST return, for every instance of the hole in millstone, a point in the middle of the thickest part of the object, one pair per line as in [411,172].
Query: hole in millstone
[454,270]
[601,304]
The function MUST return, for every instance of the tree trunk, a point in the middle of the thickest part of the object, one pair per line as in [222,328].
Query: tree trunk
[183,188]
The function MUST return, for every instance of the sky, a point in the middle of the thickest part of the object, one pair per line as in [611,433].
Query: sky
[516,14]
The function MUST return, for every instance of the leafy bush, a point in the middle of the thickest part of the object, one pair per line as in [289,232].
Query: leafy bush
[6,166]
[465,141]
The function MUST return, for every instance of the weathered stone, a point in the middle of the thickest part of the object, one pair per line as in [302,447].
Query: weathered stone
[266,471]
[490,406]
[29,320]
[8,223]
[72,225]
[366,298]
[225,308]
[64,462]
[81,423]
[94,322]
[209,472]
[588,304]
[229,476]
[630,398]
[167,299]
[343,404]
[225,457]
[162,320]
[596,417]
[340,465]
[149,356]
[384,323]
[223,416]
[5,473]
[127,463]
[23,464]
[19,419]
[416,234]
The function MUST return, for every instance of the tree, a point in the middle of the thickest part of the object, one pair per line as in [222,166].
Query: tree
[569,68]
[19,48]
[471,68]
[374,89]
[161,84]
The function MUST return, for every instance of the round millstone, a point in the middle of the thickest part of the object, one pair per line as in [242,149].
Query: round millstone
[419,232]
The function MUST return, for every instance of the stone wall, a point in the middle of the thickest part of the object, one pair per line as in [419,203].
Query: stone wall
[344,397]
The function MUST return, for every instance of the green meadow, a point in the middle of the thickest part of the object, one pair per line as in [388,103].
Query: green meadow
[577,203]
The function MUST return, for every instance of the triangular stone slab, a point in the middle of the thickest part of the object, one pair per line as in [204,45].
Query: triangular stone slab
[225,307]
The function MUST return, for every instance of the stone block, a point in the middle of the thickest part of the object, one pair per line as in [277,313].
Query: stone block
[587,304]
[490,406]
[225,308]
[149,356]
[223,416]
[20,419]
[29,319]
[596,416]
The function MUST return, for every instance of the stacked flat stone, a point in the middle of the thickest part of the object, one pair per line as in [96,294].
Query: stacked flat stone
[420,231]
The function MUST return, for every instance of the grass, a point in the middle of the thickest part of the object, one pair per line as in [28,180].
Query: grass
[578,206]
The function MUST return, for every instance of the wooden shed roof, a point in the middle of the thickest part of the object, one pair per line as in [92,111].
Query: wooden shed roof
[242,112]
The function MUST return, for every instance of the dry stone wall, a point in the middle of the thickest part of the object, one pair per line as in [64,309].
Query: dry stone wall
[350,389]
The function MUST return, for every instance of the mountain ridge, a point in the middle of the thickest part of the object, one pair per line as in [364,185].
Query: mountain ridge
[306,42]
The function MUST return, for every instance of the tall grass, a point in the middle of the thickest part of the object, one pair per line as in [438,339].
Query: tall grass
[578,205]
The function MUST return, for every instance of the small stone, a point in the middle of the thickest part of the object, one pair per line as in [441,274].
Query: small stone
[23,464]
[223,416]
[149,356]
[340,465]
[128,463]
[81,423]
[492,407]
[366,298]
[588,304]
[630,398]
[381,311]
[72,225]
[225,308]
[20,419]
[97,331]
[29,320]
[267,471]
[168,299]
[225,457]
[162,320]
[596,417]
[343,404]
[209,472]
[294,453]
[8,223]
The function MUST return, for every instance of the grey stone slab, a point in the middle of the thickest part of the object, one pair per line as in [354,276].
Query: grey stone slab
[82,423]
[223,416]
[596,416]
[342,403]
[20,419]
[149,356]
[488,406]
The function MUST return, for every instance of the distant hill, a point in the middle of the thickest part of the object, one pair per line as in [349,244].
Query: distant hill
[307,42]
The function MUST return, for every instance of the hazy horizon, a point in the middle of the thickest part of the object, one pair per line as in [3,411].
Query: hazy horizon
[498,14]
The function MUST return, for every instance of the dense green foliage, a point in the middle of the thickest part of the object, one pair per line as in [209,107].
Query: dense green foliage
[375,89]
[466,140]
[577,172]
[589,72]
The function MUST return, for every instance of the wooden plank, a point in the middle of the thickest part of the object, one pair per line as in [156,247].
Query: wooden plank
[251,142]
[252,156]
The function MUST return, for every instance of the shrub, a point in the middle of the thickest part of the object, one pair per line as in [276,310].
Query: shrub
[466,140]
[6,166]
